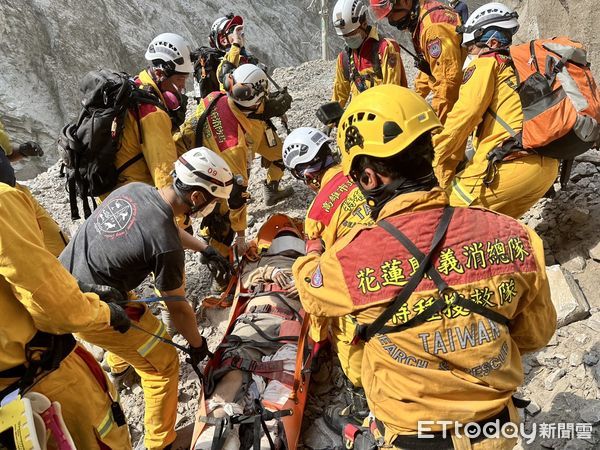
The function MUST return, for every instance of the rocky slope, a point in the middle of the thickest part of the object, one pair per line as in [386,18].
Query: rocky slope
[48,45]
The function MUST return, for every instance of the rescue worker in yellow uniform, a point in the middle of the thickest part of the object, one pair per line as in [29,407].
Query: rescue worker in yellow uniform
[338,207]
[131,234]
[447,299]
[227,34]
[147,151]
[54,239]
[41,305]
[500,175]
[439,56]
[367,60]
[228,130]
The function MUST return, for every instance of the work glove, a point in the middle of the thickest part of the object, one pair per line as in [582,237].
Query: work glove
[314,246]
[241,245]
[218,265]
[107,294]
[30,148]
[197,354]
[237,36]
[118,318]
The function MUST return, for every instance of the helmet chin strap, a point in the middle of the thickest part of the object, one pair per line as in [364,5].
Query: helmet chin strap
[411,19]
[382,194]
[193,208]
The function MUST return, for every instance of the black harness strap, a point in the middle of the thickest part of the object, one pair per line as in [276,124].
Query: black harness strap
[44,353]
[448,295]
[366,332]
[442,286]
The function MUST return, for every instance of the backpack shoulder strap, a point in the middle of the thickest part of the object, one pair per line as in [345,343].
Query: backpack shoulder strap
[203,117]
[533,55]
[346,62]
[377,56]
[129,163]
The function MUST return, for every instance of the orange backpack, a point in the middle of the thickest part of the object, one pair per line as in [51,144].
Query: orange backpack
[559,96]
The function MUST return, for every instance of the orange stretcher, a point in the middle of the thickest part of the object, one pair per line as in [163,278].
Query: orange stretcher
[291,412]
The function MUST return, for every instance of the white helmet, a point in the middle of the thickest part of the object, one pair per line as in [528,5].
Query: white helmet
[223,25]
[302,145]
[348,16]
[170,47]
[204,168]
[247,85]
[490,15]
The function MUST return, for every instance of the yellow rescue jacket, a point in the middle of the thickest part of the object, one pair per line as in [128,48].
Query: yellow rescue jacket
[436,40]
[457,365]
[229,133]
[36,292]
[334,212]
[337,208]
[157,144]
[357,71]
[489,83]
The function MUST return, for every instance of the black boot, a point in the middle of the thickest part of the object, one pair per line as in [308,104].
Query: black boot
[273,195]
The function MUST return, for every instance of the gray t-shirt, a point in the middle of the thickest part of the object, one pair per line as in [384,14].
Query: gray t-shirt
[131,234]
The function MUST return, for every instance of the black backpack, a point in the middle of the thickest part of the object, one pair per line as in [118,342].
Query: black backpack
[206,62]
[88,146]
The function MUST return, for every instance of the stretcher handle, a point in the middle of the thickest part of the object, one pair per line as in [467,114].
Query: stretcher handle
[300,357]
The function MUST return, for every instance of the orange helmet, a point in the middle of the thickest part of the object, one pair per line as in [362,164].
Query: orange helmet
[275,225]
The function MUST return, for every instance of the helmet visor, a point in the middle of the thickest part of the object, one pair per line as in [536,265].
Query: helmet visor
[249,91]
[381,8]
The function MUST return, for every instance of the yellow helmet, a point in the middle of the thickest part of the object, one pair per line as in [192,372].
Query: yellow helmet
[383,121]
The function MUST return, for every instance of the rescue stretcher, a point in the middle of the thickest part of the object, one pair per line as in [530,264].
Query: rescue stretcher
[263,321]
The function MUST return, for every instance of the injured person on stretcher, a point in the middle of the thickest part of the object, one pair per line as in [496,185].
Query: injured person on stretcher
[256,383]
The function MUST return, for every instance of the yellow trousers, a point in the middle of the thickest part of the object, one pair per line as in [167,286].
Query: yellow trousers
[350,356]
[342,334]
[86,407]
[517,185]
[158,367]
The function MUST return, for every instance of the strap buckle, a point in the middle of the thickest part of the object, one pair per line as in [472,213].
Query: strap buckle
[360,334]
[247,365]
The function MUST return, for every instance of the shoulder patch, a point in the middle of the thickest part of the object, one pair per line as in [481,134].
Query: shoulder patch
[468,73]
[434,48]
[316,280]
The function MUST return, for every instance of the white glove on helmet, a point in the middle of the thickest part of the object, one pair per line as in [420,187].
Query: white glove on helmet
[170,47]
[204,168]
[490,15]
[348,16]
